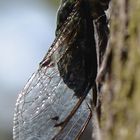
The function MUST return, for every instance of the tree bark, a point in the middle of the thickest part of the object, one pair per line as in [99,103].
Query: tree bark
[121,87]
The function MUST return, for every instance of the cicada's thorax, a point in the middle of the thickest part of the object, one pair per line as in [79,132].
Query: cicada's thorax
[78,66]
[66,7]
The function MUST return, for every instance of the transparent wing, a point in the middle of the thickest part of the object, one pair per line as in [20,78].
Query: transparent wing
[77,123]
[45,102]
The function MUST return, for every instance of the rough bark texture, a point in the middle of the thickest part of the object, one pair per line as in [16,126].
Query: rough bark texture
[121,88]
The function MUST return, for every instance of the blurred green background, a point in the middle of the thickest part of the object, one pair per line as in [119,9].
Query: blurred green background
[26,31]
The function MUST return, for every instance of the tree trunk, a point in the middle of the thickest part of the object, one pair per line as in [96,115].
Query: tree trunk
[121,87]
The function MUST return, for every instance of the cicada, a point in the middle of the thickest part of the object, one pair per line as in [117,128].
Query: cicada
[54,102]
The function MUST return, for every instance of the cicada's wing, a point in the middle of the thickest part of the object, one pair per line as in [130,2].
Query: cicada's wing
[77,123]
[44,103]
[47,108]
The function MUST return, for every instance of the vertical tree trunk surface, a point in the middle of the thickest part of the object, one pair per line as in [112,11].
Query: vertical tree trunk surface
[121,88]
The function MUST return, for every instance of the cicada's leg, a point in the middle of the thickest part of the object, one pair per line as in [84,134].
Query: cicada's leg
[100,22]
